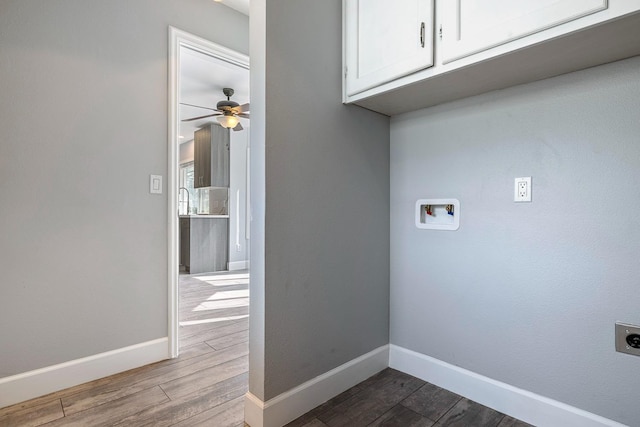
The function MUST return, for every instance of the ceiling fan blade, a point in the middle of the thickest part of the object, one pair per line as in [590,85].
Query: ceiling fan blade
[238,127]
[198,106]
[245,115]
[201,117]
[241,108]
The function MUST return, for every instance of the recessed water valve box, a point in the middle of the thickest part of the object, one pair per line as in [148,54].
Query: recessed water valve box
[628,338]
[438,214]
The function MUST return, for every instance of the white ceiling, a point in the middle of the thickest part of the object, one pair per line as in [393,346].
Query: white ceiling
[202,78]
[239,5]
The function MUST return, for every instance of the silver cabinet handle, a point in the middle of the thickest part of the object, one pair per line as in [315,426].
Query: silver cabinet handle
[422,29]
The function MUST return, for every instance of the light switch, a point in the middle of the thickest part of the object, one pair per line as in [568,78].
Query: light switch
[155,184]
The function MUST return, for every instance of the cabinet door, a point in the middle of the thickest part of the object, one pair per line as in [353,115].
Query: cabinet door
[197,154]
[385,40]
[471,26]
[202,158]
[219,156]
[184,243]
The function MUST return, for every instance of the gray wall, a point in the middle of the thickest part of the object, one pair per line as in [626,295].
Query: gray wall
[526,294]
[84,244]
[326,277]
[186,151]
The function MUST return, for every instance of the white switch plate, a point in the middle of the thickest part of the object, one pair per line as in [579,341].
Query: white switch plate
[522,189]
[155,184]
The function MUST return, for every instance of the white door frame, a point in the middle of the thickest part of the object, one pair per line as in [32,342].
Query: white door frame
[178,38]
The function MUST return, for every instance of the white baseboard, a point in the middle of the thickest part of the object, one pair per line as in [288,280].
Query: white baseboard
[521,404]
[290,405]
[28,385]
[237,265]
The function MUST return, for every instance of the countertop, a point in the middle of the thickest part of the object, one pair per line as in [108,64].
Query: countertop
[204,216]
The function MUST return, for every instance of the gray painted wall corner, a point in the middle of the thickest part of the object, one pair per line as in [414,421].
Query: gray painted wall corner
[525,293]
[327,204]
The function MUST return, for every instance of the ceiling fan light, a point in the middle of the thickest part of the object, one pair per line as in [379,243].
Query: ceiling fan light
[228,122]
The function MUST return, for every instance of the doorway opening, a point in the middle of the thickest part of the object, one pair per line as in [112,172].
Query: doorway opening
[208,215]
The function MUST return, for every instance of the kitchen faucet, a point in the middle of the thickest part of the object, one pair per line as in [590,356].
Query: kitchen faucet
[188,198]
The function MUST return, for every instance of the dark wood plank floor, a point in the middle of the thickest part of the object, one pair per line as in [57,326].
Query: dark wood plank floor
[206,384]
[395,399]
[203,387]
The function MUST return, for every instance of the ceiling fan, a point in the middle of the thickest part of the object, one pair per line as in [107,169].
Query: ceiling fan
[227,111]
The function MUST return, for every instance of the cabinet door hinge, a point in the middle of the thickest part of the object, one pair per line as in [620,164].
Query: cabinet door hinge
[440,32]
[346,71]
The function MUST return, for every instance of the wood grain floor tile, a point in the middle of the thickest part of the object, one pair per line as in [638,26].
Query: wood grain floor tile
[124,386]
[194,408]
[77,389]
[229,414]
[207,323]
[221,304]
[315,423]
[422,405]
[335,401]
[205,378]
[191,299]
[363,408]
[229,340]
[111,412]
[431,401]
[304,419]
[31,416]
[219,316]
[400,416]
[190,337]
[468,413]
[344,419]
[189,352]
[512,422]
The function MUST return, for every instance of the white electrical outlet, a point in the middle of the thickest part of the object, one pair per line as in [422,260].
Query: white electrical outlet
[522,189]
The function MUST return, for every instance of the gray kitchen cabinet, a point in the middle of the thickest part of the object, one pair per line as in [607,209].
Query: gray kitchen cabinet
[204,243]
[184,244]
[211,157]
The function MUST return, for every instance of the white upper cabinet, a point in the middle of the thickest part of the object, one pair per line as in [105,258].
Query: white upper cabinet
[471,26]
[469,47]
[386,40]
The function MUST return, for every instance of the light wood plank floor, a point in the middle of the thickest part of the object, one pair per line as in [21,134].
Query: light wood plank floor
[202,387]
